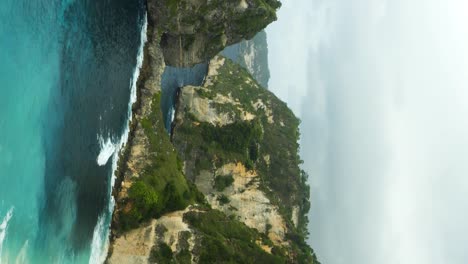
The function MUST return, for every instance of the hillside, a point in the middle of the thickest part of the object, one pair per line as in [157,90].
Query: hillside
[239,146]
[225,186]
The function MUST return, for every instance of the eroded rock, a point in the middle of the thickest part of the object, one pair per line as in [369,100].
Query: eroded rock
[194,31]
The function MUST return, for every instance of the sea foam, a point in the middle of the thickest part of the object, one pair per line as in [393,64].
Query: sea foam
[107,150]
[3,229]
[100,242]
[21,258]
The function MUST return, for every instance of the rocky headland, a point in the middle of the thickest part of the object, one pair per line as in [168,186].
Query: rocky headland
[194,31]
[225,186]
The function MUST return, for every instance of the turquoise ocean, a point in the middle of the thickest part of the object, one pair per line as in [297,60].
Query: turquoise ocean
[67,78]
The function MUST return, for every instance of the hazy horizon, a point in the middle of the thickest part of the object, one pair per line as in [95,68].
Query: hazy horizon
[381,88]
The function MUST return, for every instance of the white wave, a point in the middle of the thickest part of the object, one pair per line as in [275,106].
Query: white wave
[136,73]
[172,114]
[100,243]
[3,229]
[21,258]
[133,98]
[107,150]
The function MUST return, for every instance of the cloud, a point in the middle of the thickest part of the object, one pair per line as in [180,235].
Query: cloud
[383,96]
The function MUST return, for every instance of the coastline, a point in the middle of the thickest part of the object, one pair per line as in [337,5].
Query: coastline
[155,194]
[147,84]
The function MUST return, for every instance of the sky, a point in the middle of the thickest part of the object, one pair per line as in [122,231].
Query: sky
[382,90]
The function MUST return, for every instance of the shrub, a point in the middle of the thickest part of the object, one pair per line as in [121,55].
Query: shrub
[233,137]
[222,182]
[223,199]
[144,198]
[227,240]
[161,186]
[161,254]
[184,257]
[173,200]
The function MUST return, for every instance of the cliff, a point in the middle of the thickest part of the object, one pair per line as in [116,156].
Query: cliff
[193,31]
[228,188]
[159,216]
[239,146]
[228,140]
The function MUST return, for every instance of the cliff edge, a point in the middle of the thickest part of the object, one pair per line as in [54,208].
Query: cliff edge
[239,146]
[194,31]
[227,187]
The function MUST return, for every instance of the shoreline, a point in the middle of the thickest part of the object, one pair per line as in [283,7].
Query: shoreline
[144,91]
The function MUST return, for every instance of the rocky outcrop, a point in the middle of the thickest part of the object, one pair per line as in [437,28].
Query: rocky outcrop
[138,245]
[239,146]
[193,31]
[228,189]
[246,201]
[159,216]
[135,157]
[136,153]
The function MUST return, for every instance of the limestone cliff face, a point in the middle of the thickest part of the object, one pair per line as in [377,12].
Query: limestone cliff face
[239,146]
[136,155]
[228,188]
[196,30]
[160,217]
[244,216]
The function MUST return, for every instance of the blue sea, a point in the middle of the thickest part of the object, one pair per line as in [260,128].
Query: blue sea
[67,80]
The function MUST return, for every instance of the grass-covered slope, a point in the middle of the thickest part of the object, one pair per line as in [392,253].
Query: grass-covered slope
[149,178]
[160,186]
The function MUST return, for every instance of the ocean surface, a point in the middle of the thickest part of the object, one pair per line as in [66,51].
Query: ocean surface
[67,77]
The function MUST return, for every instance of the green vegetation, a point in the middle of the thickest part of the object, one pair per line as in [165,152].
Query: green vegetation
[278,141]
[161,186]
[236,137]
[274,3]
[173,5]
[183,257]
[252,21]
[161,254]
[225,240]
[216,22]
[230,143]
[268,144]
[223,199]
[222,182]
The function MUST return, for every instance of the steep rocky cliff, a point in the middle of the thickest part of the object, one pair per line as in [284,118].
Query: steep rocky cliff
[228,138]
[160,217]
[228,189]
[193,31]
[239,146]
